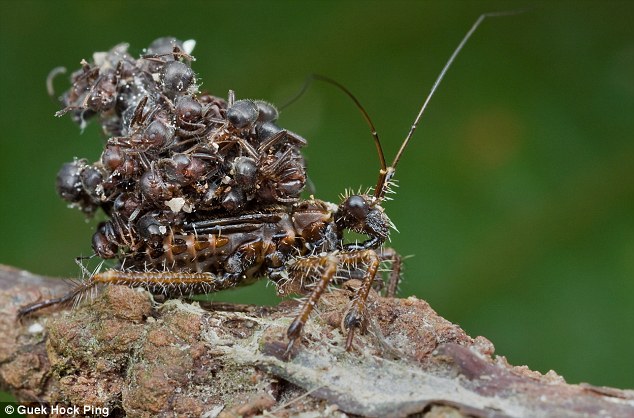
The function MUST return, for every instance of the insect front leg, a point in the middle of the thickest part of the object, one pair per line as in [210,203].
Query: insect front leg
[355,316]
[389,287]
[310,266]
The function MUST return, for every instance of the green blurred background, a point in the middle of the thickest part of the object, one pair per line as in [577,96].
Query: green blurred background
[516,196]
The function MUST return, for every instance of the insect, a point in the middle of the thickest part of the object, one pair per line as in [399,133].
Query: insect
[297,244]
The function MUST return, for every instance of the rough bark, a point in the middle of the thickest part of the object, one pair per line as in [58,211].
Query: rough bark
[141,358]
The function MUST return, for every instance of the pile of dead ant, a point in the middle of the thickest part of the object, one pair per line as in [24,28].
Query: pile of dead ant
[174,156]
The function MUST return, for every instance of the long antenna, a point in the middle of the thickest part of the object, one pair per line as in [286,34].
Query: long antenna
[442,75]
[356,101]
[385,175]
[373,131]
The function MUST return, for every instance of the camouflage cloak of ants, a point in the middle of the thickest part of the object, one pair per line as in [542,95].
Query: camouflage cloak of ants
[203,194]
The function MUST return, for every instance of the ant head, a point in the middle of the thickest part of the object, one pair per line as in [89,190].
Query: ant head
[243,114]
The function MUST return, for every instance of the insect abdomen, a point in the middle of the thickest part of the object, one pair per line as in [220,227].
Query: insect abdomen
[185,253]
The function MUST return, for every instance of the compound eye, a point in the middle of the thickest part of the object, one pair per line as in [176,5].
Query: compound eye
[357,207]
[243,114]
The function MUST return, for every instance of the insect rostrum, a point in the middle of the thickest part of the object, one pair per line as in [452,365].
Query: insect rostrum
[203,194]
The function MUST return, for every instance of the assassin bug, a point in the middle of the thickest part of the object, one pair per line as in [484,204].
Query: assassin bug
[297,245]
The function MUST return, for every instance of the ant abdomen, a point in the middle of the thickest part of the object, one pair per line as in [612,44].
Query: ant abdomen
[245,172]
[154,188]
[188,111]
[267,130]
[266,111]
[78,183]
[157,135]
[176,77]
[103,242]
[243,114]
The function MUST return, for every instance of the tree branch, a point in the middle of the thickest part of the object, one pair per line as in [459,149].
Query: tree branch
[137,357]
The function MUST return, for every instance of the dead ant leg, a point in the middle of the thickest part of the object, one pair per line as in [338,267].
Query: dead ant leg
[389,254]
[138,117]
[275,139]
[355,317]
[49,81]
[327,265]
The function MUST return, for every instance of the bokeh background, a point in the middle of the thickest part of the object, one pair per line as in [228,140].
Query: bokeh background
[516,197]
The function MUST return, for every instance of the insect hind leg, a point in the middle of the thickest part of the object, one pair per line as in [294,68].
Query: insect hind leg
[168,283]
[70,297]
[355,316]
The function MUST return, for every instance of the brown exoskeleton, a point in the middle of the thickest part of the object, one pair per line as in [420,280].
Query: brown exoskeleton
[295,243]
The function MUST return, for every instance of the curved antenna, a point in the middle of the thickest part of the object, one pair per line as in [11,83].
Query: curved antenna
[365,114]
[386,175]
[373,131]
[299,94]
[442,75]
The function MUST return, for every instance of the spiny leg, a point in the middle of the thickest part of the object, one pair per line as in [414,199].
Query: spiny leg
[171,283]
[168,282]
[307,266]
[389,254]
[389,287]
[355,316]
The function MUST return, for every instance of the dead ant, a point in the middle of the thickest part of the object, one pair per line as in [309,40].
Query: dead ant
[300,245]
